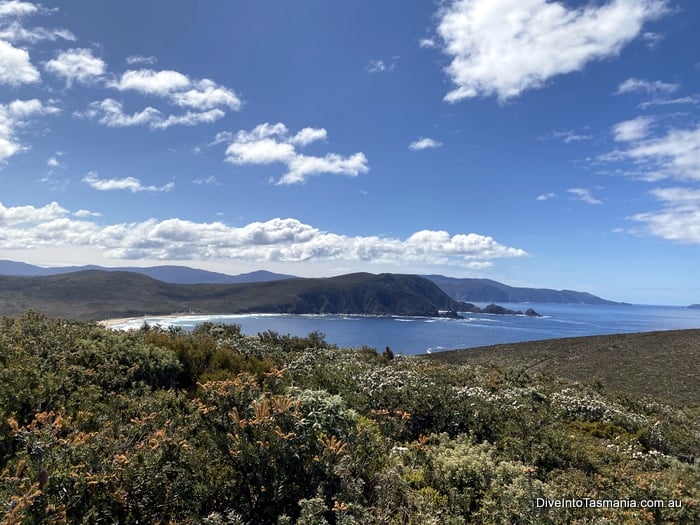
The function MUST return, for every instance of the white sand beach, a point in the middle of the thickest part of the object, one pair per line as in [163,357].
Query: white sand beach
[118,321]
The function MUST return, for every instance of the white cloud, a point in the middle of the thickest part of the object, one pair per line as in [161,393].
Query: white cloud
[504,47]
[206,94]
[132,184]
[207,99]
[179,89]
[191,118]
[76,65]
[690,99]
[632,130]
[678,220]
[652,39]
[302,166]
[139,59]
[15,8]
[424,143]
[283,240]
[546,196]
[674,155]
[209,181]
[15,66]
[584,195]
[378,66]
[15,116]
[19,215]
[427,43]
[272,143]
[150,82]
[308,135]
[87,213]
[635,85]
[110,112]
[12,30]
[16,32]
[568,136]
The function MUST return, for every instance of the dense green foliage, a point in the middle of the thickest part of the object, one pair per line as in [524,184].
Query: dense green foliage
[216,427]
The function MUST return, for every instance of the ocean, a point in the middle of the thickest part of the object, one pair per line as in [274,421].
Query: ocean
[418,335]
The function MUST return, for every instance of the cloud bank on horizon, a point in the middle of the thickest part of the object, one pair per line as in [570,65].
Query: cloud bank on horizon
[507,117]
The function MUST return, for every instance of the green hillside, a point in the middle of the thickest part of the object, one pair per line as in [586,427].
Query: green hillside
[95,294]
[488,290]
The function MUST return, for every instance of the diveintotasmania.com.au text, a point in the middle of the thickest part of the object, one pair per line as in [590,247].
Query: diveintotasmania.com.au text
[592,503]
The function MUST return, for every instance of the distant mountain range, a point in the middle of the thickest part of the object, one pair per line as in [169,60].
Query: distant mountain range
[168,274]
[99,294]
[488,291]
[468,289]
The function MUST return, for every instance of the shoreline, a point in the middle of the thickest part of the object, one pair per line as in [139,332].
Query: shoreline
[112,322]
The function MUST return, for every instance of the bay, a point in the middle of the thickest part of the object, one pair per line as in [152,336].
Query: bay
[418,335]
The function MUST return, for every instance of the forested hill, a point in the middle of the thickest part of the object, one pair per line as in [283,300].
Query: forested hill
[96,294]
[487,290]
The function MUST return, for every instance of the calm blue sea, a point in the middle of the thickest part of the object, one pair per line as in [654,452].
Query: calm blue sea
[417,335]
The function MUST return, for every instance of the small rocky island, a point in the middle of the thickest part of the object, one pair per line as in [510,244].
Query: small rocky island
[489,309]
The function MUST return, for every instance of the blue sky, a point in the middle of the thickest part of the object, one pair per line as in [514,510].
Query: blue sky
[548,144]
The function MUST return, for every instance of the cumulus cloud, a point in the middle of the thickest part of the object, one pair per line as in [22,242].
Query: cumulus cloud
[20,215]
[13,117]
[424,143]
[635,85]
[546,196]
[273,143]
[76,65]
[15,66]
[584,195]
[16,8]
[206,94]
[132,184]
[283,240]
[179,89]
[504,47]
[204,100]
[150,82]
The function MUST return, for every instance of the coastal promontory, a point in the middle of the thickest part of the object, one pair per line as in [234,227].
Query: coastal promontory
[98,294]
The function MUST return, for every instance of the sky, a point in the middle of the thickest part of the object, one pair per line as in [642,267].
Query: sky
[537,143]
